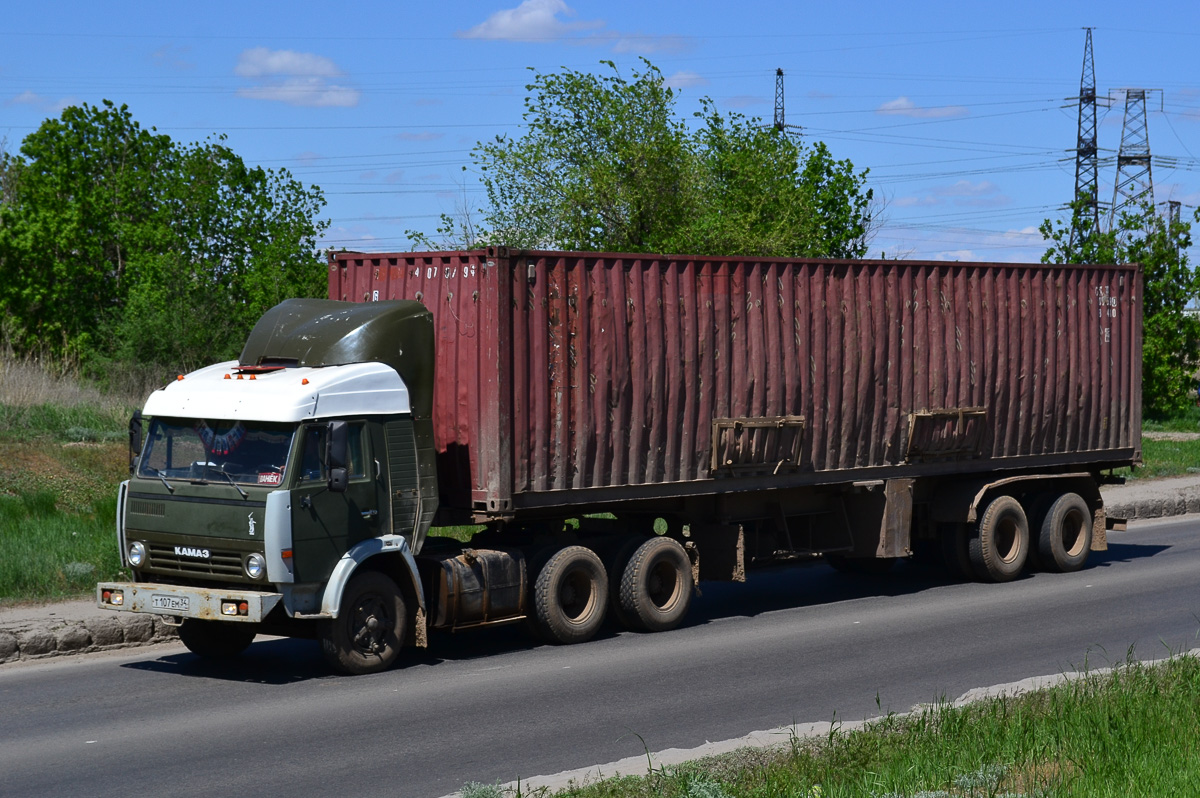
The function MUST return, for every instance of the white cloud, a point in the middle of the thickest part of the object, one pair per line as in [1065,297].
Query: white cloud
[902,106]
[308,92]
[745,101]
[533,20]
[965,188]
[644,45]
[914,202]
[43,104]
[551,20]
[259,62]
[955,254]
[686,80]
[302,79]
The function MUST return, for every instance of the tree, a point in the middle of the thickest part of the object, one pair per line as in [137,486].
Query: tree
[1171,336]
[117,242]
[605,164]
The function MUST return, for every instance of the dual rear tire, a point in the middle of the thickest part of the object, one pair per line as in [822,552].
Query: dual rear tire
[649,589]
[1002,541]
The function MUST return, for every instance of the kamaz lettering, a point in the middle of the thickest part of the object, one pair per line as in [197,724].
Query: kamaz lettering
[188,551]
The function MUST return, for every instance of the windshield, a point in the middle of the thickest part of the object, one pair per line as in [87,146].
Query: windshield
[247,452]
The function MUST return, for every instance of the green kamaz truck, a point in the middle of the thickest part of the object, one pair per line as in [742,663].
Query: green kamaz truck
[604,431]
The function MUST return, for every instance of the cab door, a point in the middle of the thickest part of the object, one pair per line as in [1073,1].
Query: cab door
[326,524]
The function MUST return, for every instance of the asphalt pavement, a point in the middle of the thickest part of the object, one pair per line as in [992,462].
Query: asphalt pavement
[797,645]
[38,631]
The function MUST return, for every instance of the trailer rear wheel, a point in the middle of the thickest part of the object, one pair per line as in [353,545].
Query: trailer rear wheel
[616,571]
[216,639]
[1065,536]
[570,596]
[369,630]
[656,586]
[1000,543]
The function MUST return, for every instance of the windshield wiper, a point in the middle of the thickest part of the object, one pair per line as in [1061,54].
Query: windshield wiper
[229,479]
[159,474]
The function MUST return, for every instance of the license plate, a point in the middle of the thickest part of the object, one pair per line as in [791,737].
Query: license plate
[173,603]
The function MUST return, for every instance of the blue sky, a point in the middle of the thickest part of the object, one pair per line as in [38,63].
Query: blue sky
[958,109]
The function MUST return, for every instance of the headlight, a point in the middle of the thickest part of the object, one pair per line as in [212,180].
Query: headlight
[255,566]
[137,554]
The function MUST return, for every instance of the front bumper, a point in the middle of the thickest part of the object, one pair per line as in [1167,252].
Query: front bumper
[187,602]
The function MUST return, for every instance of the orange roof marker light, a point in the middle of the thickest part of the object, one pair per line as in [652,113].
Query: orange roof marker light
[179,378]
[304,381]
[228,377]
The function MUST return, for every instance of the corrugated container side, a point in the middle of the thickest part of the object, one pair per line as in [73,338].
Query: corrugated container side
[570,371]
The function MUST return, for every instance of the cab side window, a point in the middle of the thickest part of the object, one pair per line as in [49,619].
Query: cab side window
[312,466]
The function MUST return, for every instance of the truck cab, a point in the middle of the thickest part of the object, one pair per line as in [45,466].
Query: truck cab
[269,490]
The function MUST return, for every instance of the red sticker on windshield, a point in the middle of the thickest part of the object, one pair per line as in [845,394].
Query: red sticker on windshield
[270,478]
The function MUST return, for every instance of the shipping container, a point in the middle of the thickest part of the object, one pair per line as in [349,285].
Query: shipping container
[595,379]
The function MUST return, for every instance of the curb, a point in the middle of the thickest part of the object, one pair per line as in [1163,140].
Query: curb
[43,639]
[1182,503]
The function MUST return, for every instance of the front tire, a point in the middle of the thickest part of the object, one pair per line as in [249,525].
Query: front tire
[216,639]
[1000,544]
[1065,537]
[370,627]
[570,596]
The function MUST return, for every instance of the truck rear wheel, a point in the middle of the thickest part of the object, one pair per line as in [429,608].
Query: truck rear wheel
[956,558]
[369,630]
[1065,536]
[216,639]
[570,596]
[656,586]
[1000,543]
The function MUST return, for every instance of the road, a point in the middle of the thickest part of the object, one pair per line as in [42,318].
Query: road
[790,646]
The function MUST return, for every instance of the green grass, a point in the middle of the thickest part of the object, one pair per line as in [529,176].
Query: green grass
[1129,732]
[1166,459]
[47,553]
[1189,421]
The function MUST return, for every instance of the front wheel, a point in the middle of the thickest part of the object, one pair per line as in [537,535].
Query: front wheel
[216,639]
[369,630]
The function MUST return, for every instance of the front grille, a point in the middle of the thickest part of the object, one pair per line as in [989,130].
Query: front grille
[142,507]
[221,563]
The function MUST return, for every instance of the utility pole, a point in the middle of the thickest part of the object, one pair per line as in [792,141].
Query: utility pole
[1087,174]
[780,121]
[1134,186]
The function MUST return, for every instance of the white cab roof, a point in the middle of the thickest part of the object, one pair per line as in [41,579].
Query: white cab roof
[286,395]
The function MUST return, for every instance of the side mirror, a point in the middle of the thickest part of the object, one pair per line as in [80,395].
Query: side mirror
[135,439]
[337,455]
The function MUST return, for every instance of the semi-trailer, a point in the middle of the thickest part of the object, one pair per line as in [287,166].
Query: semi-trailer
[606,430]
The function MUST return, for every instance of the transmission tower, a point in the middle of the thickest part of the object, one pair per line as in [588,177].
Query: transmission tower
[1087,175]
[780,122]
[1134,187]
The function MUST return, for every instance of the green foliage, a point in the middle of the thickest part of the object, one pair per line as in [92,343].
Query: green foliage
[605,164]
[118,243]
[47,553]
[1171,337]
